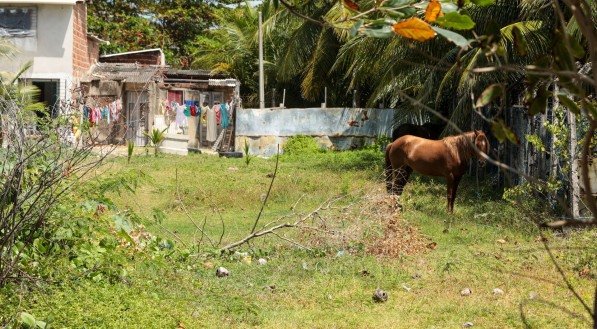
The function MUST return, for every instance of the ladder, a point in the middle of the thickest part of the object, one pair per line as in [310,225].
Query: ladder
[225,138]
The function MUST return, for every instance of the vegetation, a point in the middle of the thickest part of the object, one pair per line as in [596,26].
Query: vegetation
[143,24]
[92,274]
[155,138]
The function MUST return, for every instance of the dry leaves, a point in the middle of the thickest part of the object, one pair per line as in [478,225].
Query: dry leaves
[433,11]
[414,28]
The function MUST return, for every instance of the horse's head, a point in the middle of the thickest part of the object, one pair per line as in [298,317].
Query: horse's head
[482,145]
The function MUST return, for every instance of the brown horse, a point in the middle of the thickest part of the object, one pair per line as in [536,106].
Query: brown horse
[448,157]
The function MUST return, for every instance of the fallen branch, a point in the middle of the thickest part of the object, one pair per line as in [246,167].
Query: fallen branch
[272,230]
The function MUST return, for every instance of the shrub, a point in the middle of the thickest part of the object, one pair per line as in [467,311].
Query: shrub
[298,145]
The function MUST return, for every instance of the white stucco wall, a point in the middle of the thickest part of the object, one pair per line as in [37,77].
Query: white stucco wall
[51,50]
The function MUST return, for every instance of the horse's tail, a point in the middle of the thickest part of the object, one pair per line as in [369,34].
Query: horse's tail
[388,170]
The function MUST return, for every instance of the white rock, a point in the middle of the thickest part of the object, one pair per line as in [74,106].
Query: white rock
[498,291]
[261,261]
[222,272]
[466,292]
[467,324]
[406,288]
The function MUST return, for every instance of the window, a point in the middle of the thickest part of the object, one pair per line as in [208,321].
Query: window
[18,21]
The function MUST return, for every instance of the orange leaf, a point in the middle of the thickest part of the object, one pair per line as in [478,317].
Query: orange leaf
[433,11]
[351,5]
[414,28]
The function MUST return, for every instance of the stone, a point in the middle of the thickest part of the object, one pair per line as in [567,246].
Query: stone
[380,296]
[466,292]
[261,261]
[498,291]
[467,324]
[222,272]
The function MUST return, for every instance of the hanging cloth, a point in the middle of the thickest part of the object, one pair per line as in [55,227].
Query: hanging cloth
[197,109]
[105,113]
[224,115]
[96,115]
[188,104]
[211,124]
[181,119]
[86,113]
[204,110]
[216,109]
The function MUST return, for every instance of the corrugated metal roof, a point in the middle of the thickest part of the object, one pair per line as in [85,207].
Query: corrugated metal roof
[200,73]
[223,82]
[124,71]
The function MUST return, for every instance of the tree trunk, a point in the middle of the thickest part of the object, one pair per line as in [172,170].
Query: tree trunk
[574,187]
[553,155]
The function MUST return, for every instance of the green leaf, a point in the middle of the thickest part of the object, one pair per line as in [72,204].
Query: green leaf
[575,47]
[503,132]
[456,21]
[539,103]
[28,319]
[568,103]
[40,324]
[448,7]
[520,42]
[483,3]
[384,32]
[454,37]
[489,94]
[122,233]
[355,28]
[397,3]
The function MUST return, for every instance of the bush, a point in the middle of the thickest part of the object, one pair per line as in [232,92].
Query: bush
[298,145]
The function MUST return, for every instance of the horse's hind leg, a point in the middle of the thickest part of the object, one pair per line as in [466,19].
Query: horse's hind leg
[389,172]
[400,179]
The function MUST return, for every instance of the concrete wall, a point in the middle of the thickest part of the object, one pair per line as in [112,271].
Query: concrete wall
[265,129]
[51,49]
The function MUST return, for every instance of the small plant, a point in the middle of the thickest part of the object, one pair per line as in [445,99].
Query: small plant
[248,157]
[300,145]
[156,137]
[130,148]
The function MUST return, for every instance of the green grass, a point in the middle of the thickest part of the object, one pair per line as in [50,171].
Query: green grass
[317,288]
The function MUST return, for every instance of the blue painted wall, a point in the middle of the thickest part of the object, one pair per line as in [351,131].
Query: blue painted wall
[265,129]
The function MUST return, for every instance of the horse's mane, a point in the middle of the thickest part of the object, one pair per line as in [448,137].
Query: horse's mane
[460,145]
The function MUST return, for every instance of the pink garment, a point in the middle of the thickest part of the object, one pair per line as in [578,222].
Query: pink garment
[96,115]
[216,109]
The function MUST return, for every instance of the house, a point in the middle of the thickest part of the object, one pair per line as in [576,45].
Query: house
[52,34]
[147,90]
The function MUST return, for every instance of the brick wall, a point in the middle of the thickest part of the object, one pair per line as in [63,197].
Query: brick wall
[81,55]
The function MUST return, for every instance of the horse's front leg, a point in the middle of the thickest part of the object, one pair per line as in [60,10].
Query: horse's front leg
[450,184]
[453,194]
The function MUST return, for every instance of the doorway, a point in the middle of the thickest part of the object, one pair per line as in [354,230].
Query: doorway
[137,110]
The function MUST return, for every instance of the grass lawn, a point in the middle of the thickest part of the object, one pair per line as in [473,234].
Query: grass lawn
[330,284]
